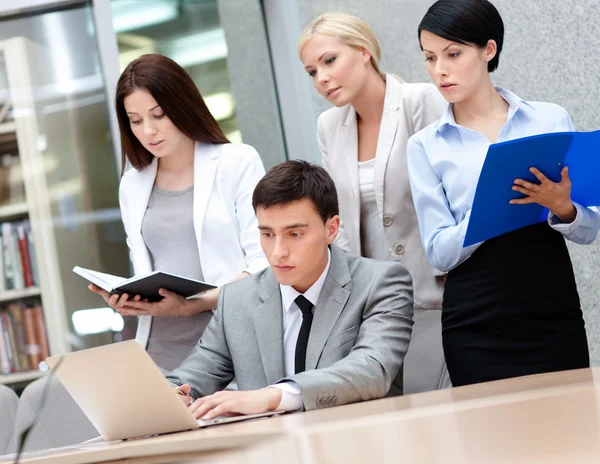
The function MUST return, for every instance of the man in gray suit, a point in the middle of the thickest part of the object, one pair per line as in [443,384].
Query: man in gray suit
[317,328]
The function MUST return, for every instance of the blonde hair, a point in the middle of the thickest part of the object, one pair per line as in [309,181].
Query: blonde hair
[350,30]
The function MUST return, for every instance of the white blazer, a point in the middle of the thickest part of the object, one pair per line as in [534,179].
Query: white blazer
[407,108]
[226,227]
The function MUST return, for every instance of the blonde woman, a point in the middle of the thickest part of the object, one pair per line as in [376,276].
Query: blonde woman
[363,147]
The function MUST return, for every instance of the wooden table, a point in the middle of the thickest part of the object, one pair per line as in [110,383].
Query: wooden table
[550,418]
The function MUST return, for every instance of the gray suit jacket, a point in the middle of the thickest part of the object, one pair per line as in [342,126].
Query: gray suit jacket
[359,335]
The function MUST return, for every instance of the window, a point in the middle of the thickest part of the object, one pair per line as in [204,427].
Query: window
[189,32]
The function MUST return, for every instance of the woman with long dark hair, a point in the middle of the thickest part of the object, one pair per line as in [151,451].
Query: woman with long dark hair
[186,203]
[510,305]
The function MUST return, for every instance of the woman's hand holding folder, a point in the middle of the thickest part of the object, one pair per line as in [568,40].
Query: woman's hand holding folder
[556,196]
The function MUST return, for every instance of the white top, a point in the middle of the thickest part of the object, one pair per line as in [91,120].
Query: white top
[444,163]
[292,317]
[225,224]
[373,240]
[291,398]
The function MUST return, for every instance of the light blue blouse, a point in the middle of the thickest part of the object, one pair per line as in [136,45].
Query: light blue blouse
[444,163]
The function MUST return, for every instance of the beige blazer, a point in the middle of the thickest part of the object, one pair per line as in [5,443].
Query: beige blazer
[224,221]
[407,109]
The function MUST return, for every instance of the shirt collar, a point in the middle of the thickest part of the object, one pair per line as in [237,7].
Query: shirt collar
[289,293]
[514,103]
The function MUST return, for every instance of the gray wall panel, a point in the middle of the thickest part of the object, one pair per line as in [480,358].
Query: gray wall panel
[251,78]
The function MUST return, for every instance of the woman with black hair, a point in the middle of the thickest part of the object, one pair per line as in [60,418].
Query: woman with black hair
[510,304]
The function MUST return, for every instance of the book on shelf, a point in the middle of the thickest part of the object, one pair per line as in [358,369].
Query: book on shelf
[14,248]
[32,347]
[15,311]
[24,253]
[18,264]
[4,110]
[8,263]
[31,250]
[23,337]
[2,266]
[5,364]
[11,342]
[12,187]
[40,332]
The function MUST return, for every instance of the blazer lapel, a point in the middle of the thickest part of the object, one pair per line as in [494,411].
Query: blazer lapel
[331,303]
[138,200]
[205,168]
[348,142]
[138,203]
[387,133]
[268,324]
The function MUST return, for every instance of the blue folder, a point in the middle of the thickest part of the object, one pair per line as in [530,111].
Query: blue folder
[492,215]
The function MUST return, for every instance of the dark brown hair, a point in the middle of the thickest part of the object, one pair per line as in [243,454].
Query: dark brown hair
[179,98]
[294,180]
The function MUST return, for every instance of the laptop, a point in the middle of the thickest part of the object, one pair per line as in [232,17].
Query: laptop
[124,394]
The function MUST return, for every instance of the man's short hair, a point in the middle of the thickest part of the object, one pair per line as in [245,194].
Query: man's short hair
[293,181]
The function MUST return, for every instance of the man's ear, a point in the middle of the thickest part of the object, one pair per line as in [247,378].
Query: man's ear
[332,226]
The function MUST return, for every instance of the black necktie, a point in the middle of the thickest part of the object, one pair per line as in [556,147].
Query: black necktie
[307,317]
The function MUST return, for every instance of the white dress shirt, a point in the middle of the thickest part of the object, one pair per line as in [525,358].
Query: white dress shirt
[291,398]
[444,163]
[372,237]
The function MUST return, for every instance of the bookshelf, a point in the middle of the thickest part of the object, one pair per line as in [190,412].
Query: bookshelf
[57,133]
[43,299]
[12,295]
[21,377]
[11,211]
[8,128]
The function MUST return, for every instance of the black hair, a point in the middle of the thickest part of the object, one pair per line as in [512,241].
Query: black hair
[293,181]
[466,22]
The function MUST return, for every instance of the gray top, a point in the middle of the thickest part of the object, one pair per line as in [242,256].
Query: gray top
[168,231]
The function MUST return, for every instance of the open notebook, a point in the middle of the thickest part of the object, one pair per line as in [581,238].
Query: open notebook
[146,286]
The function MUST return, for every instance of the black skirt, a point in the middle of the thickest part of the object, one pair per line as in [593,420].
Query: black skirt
[513,309]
